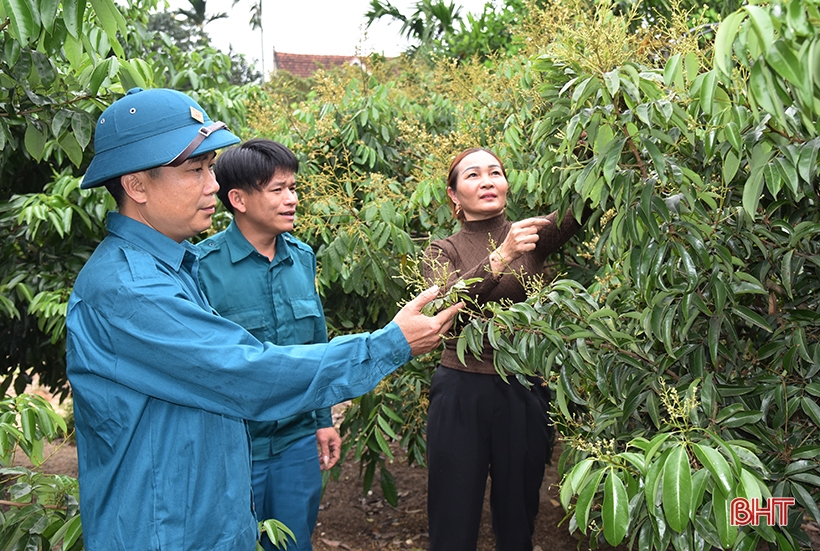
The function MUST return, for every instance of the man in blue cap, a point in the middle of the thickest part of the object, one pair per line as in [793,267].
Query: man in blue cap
[161,384]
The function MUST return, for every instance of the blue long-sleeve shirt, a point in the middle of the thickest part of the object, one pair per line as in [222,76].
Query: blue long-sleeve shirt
[276,301]
[161,386]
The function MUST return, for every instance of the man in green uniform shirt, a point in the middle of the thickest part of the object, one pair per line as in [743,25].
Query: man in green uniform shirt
[258,275]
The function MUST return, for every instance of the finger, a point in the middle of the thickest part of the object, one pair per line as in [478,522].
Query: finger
[423,298]
[332,462]
[446,317]
[538,221]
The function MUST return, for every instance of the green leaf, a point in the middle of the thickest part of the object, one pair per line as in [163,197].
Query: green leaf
[715,323]
[731,163]
[673,72]
[720,510]
[808,154]
[750,485]
[763,92]
[112,21]
[385,426]
[130,77]
[585,497]
[388,484]
[732,132]
[24,19]
[461,347]
[382,443]
[724,40]
[781,58]
[699,483]
[707,92]
[578,474]
[689,270]
[805,499]
[786,272]
[73,11]
[48,12]
[68,533]
[278,533]
[751,318]
[28,421]
[613,82]
[677,489]
[102,71]
[35,142]
[717,466]
[615,512]
[762,23]
[68,143]
[751,192]
[742,418]
[82,125]
[811,409]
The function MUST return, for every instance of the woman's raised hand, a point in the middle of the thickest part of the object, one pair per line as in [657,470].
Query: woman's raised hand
[522,237]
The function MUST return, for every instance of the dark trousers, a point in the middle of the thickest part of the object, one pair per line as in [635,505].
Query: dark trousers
[479,425]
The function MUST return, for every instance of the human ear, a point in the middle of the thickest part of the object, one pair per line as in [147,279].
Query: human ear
[452,194]
[237,199]
[134,186]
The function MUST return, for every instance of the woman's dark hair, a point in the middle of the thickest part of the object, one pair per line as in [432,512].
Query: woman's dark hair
[452,176]
[251,165]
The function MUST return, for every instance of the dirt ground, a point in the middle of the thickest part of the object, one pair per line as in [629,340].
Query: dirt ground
[348,520]
[352,521]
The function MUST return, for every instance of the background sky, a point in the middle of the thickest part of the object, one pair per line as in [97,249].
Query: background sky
[329,27]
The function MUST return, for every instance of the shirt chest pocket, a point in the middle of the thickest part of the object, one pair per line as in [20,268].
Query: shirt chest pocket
[252,319]
[306,314]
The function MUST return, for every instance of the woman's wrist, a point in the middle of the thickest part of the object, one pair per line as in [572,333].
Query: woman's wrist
[497,262]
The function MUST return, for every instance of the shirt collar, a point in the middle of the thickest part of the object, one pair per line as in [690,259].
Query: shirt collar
[150,240]
[240,248]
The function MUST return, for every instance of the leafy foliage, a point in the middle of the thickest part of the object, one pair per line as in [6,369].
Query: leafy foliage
[706,179]
[39,511]
[62,64]
[432,25]
[681,337]
[680,334]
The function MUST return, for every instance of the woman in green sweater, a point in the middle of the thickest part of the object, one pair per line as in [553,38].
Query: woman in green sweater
[477,423]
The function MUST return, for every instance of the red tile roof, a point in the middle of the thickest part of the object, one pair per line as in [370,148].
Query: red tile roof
[304,65]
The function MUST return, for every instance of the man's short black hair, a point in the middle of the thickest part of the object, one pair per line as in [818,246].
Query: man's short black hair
[251,165]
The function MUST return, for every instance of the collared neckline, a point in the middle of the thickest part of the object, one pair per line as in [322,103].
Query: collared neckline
[240,248]
[150,240]
[484,226]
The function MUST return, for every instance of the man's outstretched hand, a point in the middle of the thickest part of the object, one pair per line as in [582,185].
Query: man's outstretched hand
[422,332]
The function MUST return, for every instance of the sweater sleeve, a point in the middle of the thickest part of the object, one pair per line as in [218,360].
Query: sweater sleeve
[441,265]
[553,236]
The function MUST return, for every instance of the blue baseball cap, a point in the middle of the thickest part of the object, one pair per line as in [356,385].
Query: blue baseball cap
[150,128]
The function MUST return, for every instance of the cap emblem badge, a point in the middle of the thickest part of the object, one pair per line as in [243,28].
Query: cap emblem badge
[197,115]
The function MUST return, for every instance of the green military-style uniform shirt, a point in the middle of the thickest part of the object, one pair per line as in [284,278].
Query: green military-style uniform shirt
[276,301]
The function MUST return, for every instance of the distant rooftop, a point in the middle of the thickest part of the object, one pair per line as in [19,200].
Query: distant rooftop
[304,65]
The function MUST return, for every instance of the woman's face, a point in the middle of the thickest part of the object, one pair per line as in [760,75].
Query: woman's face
[481,188]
